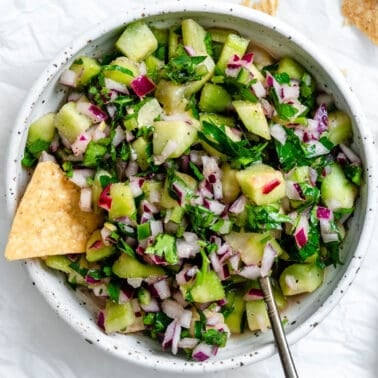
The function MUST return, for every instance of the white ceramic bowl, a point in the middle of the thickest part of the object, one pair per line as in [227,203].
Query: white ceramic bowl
[46,95]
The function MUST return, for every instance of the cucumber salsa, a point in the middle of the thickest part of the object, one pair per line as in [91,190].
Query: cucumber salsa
[213,163]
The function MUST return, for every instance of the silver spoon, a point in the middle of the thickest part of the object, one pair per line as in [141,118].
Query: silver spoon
[278,332]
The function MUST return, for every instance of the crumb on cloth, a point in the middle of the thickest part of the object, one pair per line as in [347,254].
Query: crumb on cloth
[266,6]
[364,15]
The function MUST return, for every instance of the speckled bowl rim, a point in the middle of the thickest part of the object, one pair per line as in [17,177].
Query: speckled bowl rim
[174,364]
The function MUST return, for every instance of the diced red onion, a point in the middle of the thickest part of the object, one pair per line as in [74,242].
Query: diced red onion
[214,206]
[186,318]
[294,191]
[111,109]
[134,186]
[116,86]
[119,136]
[80,177]
[162,288]
[196,157]
[168,336]
[188,343]
[46,157]
[352,157]
[270,186]
[100,291]
[247,58]
[267,108]
[68,78]
[291,282]
[176,337]
[80,145]
[278,133]
[268,259]
[214,319]
[124,296]
[99,132]
[135,282]
[142,86]
[156,227]
[253,295]
[301,232]
[186,274]
[105,235]
[92,111]
[132,169]
[215,262]
[101,319]
[105,200]
[238,205]
[171,308]
[152,306]
[91,280]
[290,92]
[251,272]
[323,213]
[321,115]
[202,352]
[186,249]
[85,202]
[235,261]
[313,176]
[178,297]
[189,50]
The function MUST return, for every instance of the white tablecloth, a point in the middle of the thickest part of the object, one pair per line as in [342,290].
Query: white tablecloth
[34,342]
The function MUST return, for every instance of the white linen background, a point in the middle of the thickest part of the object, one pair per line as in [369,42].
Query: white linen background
[34,341]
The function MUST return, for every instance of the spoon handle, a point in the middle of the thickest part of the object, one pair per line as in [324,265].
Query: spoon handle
[279,335]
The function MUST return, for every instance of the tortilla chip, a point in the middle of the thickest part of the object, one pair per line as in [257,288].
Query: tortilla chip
[266,6]
[364,15]
[48,220]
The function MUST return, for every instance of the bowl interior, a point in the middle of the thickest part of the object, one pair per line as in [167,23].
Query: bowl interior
[304,313]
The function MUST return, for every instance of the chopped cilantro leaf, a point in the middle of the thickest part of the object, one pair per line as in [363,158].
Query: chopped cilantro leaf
[263,218]
[94,154]
[164,246]
[282,78]
[114,289]
[215,337]
[353,172]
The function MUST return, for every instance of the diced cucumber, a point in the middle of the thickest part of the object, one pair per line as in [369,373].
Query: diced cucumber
[137,41]
[208,289]
[86,69]
[118,316]
[220,35]
[217,119]
[193,35]
[144,296]
[172,96]
[253,117]
[128,267]
[301,278]
[60,262]
[262,184]
[96,250]
[279,298]
[149,112]
[167,201]
[291,67]
[153,65]
[251,245]
[122,69]
[179,132]
[247,74]
[173,41]
[177,214]
[152,190]
[43,129]
[123,204]
[234,45]
[161,35]
[234,320]
[70,123]
[337,192]
[339,127]
[300,174]
[230,185]
[130,122]
[140,146]
[257,316]
[214,98]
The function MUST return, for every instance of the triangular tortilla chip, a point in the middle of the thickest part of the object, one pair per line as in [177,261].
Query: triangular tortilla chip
[48,220]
